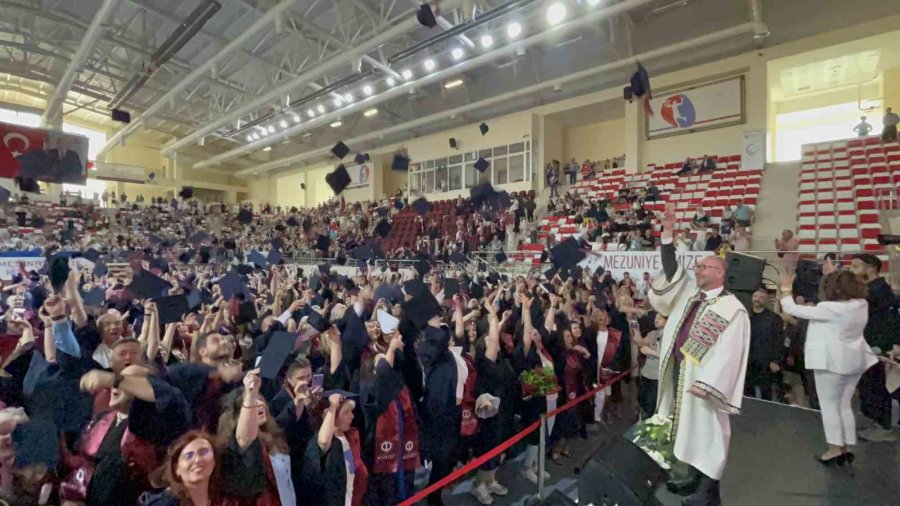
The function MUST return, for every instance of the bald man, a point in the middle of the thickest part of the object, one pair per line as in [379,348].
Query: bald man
[704,351]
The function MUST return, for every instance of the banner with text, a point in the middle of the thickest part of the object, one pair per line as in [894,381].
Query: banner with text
[636,263]
[9,266]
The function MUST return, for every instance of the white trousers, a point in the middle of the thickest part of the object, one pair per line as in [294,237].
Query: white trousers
[835,392]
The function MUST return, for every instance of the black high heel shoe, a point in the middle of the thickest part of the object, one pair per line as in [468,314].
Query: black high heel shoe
[835,461]
[849,457]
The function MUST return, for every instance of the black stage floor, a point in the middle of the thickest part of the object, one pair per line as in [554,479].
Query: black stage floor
[771,463]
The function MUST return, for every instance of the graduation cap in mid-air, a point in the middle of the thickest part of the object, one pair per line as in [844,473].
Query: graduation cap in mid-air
[500,257]
[274,257]
[59,272]
[259,259]
[426,16]
[421,206]
[383,228]
[4,195]
[91,255]
[451,287]
[186,192]
[340,150]
[481,193]
[276,353]
[186,256]
[567,254]
[483,128]
[481,165]
[232,284]
[338,180]
[93,297]
[100,269]
[146,285]
[421,308]
[422,266]
[400,163]
[322,242]
[361,158]
[172,308]
[245,216]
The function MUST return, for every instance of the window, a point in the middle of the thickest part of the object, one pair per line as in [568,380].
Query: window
[500,174]
[516,168]
[834,122]
[440,182]
[508,164]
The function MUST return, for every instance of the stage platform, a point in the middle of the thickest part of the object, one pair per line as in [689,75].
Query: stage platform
[772,463]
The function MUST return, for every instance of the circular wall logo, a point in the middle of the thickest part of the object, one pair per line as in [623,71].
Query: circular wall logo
[678,111]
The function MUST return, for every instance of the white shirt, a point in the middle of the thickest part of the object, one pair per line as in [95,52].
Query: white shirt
[103,355]
[462,372]
[281,467]
[345,447]
[602,339]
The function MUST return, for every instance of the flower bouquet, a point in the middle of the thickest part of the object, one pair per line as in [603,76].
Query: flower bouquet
[539,382]
[654,436]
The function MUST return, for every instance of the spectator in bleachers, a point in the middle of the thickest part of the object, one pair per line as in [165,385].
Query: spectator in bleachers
[686,168]
[683,242]
[795,335]
[552,179]
[767,350]
[787,246]
[743,214]
[708,165]
[890,121]
[863,128]
[714,240]
[652,194]
[701,219]
[740,240]
[572,171]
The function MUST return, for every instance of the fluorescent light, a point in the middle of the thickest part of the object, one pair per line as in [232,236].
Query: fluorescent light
[556,13]
[338,101]
[487,41]
[321,109]
[250,138]
[458,53]
[271,129]
[453,84]
[370,113]
[407,74]
[391,81]
[367,90]
[296,118]
[513,30]
[348,98]
[336,124]
[311,113]
[267,148]
[283,123]
[255,136]
[593,3]
[429,65]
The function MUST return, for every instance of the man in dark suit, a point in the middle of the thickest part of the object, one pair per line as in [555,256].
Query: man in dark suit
[708,165]
[65,164]
[766,349]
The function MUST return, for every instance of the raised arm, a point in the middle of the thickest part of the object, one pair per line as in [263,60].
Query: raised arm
[667,248]
[247,429]
[73,298]
[528,328]
[166,347]
[459,330]
[550,318]
[326,431]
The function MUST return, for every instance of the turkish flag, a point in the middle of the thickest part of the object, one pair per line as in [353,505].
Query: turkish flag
[16,141]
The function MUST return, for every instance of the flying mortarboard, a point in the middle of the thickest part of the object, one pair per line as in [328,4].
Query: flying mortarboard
[245,216]
[59,272]
[451,287]
[458,258]
[482,165]
[481,193]
[4,195]
[232,284]
[172,308]
[426,16]
[93,297]
[414,287]
[340,150]
[500,257]
[147,285]
[483,128]
[422,266]
[338,180]
[421,308]
[186,256]
[91,255]
[421,206]
[400,163]
[567,253]
[383,228]
[186,192]
[322,242]
[273,357]
[361,158]
[274,257]
[257,258]
[100,269]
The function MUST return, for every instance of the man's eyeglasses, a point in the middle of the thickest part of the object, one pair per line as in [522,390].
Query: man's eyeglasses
[700,267]
[192,455]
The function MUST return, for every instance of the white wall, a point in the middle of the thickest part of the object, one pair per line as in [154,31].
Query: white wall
[597,141]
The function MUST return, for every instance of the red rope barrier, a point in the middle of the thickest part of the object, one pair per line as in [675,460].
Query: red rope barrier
[477,462]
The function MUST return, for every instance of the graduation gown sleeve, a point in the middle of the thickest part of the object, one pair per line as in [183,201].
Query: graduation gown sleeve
[163,421]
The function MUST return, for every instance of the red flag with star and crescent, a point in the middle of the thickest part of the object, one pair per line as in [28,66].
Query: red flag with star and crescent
[16,141]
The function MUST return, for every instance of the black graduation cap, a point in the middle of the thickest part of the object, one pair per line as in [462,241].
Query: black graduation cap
[186,192]
[493,278]
[500,257]
[383,228]
[201,236]
[377,252]
[563,275]
[172,308]
[549,273]
[362,252]
[322,242]
[243,269]
[91,255]
[292,222]
[278,243]
[458,258]
[93,297]
[476,290]
[314,282]
[451,287]
[245,216]
[147,285]
[483,128]
[398,204]
[159,264]
[257,258]
[361,158]
[324,268]
[59,272]
[400,162]
[193,299]
[426,16]
[422,266]
[421,206]
[567,253]
[28,184]
[100,269]
[481,193]
[4,195]
[421,308]
[482,165]
[232,284]
[246,312]
[414,287]
[362,265]
[316,321]
[186,256]
[274,257]
[340,150]
[273,357]
[338,180]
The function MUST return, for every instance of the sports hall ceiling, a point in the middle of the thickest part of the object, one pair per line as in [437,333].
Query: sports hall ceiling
[260,66]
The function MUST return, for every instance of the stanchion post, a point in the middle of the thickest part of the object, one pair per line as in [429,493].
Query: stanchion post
[542,456]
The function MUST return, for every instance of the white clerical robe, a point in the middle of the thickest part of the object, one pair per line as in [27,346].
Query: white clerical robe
[715,360]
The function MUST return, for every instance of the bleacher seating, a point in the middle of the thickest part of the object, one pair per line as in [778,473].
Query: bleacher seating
[840,182]
[712,191]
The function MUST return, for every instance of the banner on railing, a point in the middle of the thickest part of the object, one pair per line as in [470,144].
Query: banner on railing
[9,266]
[636,263]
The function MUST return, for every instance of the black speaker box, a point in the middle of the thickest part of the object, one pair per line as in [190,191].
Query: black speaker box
[452,142]
[743,272]
[121,116]
[809,274]
[620,473]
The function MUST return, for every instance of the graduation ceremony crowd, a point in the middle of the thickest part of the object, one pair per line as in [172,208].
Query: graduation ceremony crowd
[214,370]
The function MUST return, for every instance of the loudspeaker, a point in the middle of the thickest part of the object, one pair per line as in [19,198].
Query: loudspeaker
[809,274]
[743,272]
[453,143]
[121,116]
[620,473]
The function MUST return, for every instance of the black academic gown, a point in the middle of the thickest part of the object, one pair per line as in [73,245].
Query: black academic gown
[441,416]
[298,431]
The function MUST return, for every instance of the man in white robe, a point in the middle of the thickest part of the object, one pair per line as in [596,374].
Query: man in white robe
[703,351]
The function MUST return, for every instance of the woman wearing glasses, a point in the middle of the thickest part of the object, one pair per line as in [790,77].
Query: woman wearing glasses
[189,473]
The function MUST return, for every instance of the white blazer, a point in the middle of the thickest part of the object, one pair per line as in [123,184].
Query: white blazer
[834,340]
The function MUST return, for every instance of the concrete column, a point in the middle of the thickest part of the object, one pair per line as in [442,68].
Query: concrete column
[634,135]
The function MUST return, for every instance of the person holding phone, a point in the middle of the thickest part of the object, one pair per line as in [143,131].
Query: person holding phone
[648,346]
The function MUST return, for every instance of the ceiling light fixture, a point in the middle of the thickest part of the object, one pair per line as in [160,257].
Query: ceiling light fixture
[267,148]
[283,123]
[370,113]
[250,138]
[593,3]
[487,41]
[556,13]
[255,136]
[338,102]
[311,113]
[321,109]
[407,74]
[391,81]
[513,30]
[336,124]
[457,53]
[271,129]
[429,65]
[296,118]
[367,90]
[348,98]
[453,84]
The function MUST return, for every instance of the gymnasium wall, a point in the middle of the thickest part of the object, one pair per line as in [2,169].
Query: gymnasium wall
[597,141]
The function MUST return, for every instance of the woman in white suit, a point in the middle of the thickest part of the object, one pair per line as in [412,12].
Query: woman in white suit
[836,352]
